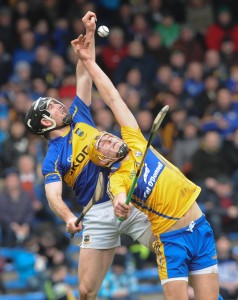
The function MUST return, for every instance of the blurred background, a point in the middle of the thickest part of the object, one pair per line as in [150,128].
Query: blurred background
[183,53]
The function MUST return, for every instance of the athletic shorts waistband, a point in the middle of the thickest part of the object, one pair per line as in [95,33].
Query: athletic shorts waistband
[196,223]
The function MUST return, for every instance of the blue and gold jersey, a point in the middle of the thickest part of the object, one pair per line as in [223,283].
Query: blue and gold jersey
[67,158]
[162,191]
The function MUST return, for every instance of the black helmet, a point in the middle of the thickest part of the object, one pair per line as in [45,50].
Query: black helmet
[38,111]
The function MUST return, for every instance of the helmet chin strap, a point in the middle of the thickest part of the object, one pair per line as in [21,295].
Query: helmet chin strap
[67,121]
[122,153]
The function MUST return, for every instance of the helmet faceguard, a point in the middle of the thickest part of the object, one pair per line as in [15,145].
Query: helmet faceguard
[109,155]
[38,111]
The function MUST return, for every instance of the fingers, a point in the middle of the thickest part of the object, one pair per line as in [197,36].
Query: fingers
[88,16]
[89,20]
[122,210]
[71,227]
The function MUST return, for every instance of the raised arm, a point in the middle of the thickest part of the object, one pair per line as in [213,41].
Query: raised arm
[107,90]
[84,81]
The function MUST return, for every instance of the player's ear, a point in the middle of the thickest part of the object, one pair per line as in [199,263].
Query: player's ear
[45,122]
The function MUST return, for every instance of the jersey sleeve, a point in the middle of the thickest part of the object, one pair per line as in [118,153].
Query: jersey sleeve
[51,170]
[81,112]
[130,135]
[116,185]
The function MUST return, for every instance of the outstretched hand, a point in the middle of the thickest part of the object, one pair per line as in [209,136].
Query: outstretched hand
[81,46]
[89,21]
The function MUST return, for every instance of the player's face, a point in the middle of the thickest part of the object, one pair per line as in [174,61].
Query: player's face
[109,146]
[57,111]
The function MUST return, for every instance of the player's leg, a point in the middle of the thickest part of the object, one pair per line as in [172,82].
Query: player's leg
[205,286]
[203,273]
[137,227]
[175,289]
[100,238]
[93,266]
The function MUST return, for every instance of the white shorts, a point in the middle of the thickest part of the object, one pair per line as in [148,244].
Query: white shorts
[102,229]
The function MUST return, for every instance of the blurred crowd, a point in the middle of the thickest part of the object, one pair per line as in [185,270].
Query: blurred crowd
[181,53]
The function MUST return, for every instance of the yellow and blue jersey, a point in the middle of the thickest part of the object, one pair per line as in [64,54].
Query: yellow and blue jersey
[67,158]
[162,191]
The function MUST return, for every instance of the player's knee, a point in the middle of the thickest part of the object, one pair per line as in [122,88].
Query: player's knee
[86,291]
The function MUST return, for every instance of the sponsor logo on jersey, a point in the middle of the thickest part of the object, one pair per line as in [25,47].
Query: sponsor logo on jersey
[69,159]
[152,180]
[138,154]
[133,173]
[146,173]
[79,159]
[80,133]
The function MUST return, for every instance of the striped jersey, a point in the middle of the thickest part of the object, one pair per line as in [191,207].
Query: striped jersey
[162,191]
[67,157]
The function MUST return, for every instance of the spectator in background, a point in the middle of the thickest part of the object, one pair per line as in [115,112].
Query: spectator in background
[161,80]
[209,160]
[22,25]
[15,145]
[21,76]
[38,88]
[42,33]
[40,65]
[206,98]
[19,103]
[194,84]
[177,61]
[55,286]
[105,121]
[221,204]
[232,82]
[212,65]
[52,244]
[154,13]
[140,28]
[228,269]
[145,120]
[28,178]
[231,148]
[199,15]
[2,265]
[56,73]
[29,265]
[26,50]
[224,26]
[123,19]
[189,45]
[228,54]
[135,82]
[186,145]
[155,48]
[6,29]
[169,30]
[5,64]
[176,87]
[222,116]
[16,210]
[173,128]
[60,36]
[137,58]
[119,283]
[113,52]
[133,100]
[20,10]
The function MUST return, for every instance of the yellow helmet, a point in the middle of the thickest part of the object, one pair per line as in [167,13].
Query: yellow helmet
[98,157]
